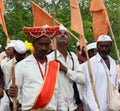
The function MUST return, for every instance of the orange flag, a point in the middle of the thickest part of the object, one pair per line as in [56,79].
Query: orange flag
[76,20]
[2,21]
[41,17]
[100,18]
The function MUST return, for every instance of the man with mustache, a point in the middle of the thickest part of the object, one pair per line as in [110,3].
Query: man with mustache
[36,77]
[102,65]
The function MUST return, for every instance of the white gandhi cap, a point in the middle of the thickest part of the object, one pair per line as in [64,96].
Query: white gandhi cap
[104,38]
[91,46]
[20,47]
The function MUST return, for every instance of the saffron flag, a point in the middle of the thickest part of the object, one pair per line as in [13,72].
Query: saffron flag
[2,21]
[41,17]
[76,20]
[100,20]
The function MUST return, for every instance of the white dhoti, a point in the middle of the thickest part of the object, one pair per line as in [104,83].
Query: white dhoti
[4,103]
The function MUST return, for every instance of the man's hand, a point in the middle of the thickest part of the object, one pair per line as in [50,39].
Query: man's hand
[13,91]
[62,67]
[1,93]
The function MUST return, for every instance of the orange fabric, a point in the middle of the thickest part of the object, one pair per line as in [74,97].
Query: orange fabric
[76,20]
[47,90]
[41,17]
[100,18]
[2,6]
[2,21]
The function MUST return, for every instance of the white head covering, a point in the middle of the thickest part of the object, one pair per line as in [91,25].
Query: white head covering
[92,46]
[11,44]
[62,27]
[20,47]
[0,45]
[78,43]
[104,38]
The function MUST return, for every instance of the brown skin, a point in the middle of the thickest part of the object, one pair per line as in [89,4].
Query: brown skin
[10,52]
[1,83]
[62,39]
[1,93]
[41,46]
[19,57]
[104,49]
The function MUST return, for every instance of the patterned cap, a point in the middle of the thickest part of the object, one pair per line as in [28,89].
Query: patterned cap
[36,32]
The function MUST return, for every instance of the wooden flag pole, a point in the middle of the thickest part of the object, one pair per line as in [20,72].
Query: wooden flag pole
[114,40]
[91,75]
[53,23]
[13,84]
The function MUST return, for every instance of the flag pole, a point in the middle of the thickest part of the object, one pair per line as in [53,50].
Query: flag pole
[90,72]
[53,23]
[91,75]
[14,83]
[115,45]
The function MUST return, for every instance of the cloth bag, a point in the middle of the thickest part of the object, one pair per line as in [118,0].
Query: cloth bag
[113,97]
[113,94]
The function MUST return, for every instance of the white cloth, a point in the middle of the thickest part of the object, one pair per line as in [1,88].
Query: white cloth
[66,80]
[29,81]
[4,103]
[104,38]
[82,88]
[20,47]
[7,71]
[100,80]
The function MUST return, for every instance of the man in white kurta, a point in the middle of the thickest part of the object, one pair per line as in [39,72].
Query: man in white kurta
[70,70]
[32,71]
[99,75]
[29,81]
[66,79]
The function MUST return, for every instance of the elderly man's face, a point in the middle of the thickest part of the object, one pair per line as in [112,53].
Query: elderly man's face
[62,37]
[104,48]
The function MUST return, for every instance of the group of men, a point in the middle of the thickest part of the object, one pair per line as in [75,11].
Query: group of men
[47,82]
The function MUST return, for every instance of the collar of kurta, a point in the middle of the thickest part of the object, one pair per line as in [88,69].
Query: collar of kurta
[47,89]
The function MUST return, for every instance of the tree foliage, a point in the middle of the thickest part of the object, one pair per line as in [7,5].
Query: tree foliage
[18,14]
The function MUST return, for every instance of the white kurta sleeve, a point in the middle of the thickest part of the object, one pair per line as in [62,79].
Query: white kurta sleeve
[76,74]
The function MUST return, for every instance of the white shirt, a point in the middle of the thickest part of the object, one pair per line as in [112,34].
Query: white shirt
[100,80]
[66,80]
[7,70]
[29,81]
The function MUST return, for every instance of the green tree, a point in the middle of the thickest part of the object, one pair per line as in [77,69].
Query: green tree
[19,14]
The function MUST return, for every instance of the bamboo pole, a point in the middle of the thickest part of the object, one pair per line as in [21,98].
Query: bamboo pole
[115,45]
[91,75]
[53,23]
[13,84]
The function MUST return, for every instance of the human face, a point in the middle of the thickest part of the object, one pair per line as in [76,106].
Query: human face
[41,47]
[62,37]
[10,52]
[104,48]
[19,57]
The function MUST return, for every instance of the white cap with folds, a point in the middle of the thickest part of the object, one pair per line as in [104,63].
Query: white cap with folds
[11,44]
[62,27]
[20,47]
[92,46]
[104,38]
[78,43]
